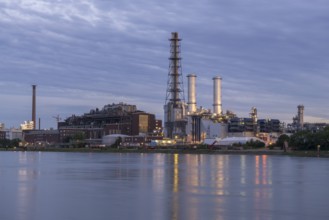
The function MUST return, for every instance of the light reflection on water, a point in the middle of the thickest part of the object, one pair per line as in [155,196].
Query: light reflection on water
[38,186]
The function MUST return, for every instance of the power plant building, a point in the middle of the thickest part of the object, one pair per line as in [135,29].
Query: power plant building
[298,120]
[112,119]
[200,128]
[201,123]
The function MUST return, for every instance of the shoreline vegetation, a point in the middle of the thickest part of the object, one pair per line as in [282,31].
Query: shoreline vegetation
[263,151]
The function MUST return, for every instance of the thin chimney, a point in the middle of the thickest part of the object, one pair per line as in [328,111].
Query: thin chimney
[34,106]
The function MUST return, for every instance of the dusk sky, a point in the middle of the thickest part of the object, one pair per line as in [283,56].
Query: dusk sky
[84,54]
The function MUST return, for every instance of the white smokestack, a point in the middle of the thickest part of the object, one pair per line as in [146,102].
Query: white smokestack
[217,95]
[191,93]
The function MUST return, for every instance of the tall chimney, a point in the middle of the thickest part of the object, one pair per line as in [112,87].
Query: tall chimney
[300,116]
[34,106]
[191,93]
[217,95]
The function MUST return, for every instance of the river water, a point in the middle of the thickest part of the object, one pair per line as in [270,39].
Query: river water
[102,186]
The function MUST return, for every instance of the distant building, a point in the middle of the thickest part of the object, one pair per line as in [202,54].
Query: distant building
[249,125]
[269,125]
[2,135]
[11,134]
[27,125]
[158,128]
[111,119]
[298,123]
[241,125]
[43,137]
[200,128]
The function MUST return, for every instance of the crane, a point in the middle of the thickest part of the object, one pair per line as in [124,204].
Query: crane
[58,118]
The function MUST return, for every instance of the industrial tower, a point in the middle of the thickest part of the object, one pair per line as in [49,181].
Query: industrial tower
[34,106]
[175,106]
[298,120]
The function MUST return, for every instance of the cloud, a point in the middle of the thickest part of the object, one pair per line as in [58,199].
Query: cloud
[86,54]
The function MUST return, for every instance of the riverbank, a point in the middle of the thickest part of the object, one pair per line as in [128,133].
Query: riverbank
[178,151]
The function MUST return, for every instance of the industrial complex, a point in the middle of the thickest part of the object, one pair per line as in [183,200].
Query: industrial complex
[184,122]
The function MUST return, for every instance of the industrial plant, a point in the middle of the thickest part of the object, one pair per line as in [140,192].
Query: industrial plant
[184,122]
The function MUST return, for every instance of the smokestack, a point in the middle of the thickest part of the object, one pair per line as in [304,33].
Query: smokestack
[217,95]
[191,102]
[300,116]
[34,106]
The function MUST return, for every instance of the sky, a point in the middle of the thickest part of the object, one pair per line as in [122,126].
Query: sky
[84,54]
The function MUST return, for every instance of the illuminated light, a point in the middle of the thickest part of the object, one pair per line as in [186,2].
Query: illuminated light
[257,170]
[176,173]
[264,170]
[243,169]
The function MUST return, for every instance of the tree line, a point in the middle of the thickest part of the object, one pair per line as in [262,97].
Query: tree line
[6,143]
[306,140]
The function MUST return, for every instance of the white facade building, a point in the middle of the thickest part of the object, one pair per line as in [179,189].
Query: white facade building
[199,128]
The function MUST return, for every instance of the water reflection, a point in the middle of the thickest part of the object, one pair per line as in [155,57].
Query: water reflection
[263,170]
[159,173]
[243,168]
[161,186]
[176,173]
[262,196]
[214,179]
[27,176]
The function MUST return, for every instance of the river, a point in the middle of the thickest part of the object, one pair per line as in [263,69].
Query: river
[103,186]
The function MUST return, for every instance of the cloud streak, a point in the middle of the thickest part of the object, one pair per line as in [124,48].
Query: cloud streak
[85,54]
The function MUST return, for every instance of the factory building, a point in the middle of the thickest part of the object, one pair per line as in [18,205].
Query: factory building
[2,135]
[268,130]
[270,126]
[239,125]
[298,123]
[202,123]
[194,125]
[314,127]
[11,134]
[111,119]
[40,137]
[27,125]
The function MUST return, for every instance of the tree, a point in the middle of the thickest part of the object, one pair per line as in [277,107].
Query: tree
[15,142]
[255,144]
[4,143]
[306,140]
[282,139]
[301,140]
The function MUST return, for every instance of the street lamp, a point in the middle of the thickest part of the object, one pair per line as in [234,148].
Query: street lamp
[318,147]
